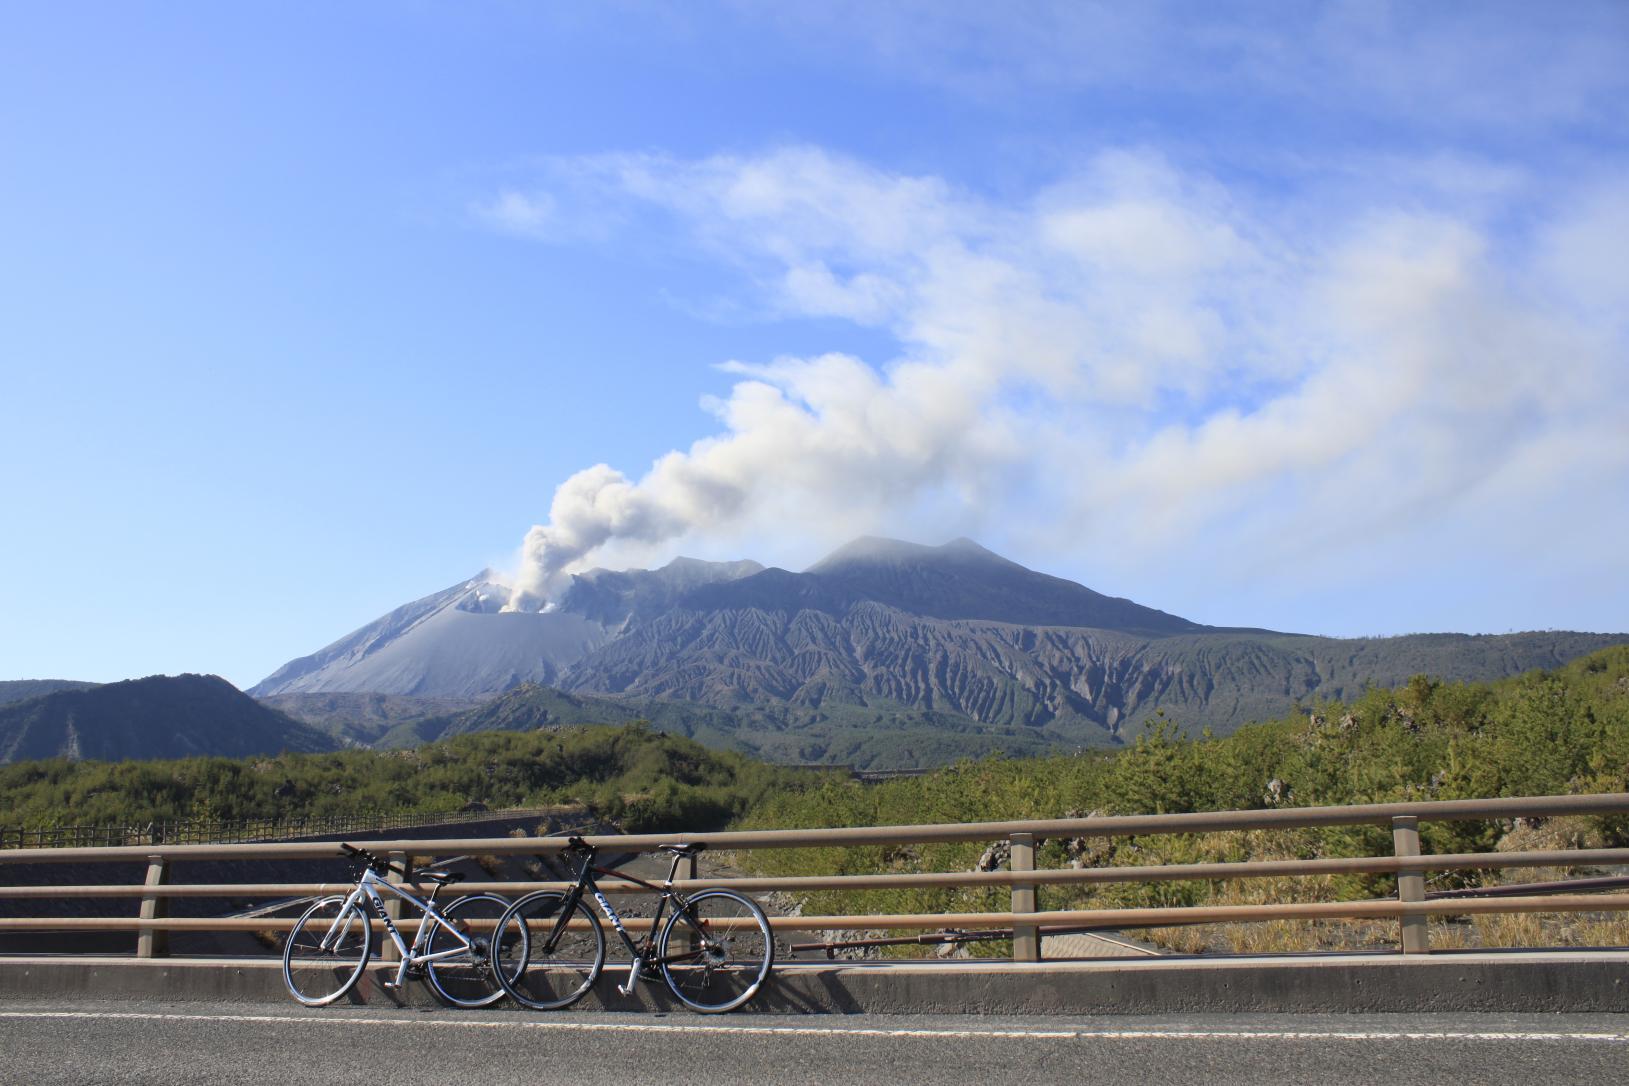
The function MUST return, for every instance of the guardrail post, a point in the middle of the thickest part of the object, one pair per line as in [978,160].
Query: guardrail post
[393,906]
[152,942]
[1405,840]
[1026,938]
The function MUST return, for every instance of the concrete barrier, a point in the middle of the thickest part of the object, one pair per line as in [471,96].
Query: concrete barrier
[1518,981]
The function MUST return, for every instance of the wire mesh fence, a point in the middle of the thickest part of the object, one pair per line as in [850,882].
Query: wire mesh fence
[241,831]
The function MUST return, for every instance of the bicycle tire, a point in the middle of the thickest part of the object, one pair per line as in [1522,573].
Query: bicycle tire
[314,976]
[467,981]
[734,958]
[543,978]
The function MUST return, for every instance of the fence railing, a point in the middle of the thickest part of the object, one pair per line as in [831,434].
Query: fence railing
[197,831]
[1024,917]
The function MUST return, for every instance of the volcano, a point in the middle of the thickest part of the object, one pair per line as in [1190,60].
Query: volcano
[878,628]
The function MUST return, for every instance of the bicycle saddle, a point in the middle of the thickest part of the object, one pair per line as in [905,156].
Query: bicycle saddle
[440,878]
[682,850]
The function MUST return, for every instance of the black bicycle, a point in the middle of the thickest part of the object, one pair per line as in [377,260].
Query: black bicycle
[714,949]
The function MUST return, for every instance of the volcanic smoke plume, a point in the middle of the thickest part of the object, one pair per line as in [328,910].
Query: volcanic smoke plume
[1139,352]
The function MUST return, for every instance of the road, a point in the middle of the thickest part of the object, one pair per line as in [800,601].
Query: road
[228,1044]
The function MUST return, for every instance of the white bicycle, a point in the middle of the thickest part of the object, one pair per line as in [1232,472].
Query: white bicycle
[329,947]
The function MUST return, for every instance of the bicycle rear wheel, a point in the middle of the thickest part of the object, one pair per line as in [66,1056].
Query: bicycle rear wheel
[326,952]
[537,973]
[468,979]
[716,951]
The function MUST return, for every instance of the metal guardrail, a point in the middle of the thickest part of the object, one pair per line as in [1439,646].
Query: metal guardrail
[191,831]
[1410,906]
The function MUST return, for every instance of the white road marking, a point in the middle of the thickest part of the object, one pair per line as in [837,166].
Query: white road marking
[318,1018]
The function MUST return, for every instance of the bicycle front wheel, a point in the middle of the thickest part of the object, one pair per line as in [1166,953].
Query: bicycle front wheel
[326,952]
[716,951]
[468,979]
[542,964]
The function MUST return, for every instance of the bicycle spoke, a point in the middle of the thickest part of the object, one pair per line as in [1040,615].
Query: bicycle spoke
[467,979]
[716,951]
[544,966]
[326,952]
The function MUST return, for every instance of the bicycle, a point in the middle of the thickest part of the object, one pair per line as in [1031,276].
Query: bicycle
[330,944]
[714,952]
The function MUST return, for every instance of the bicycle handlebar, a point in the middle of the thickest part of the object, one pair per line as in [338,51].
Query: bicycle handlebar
[379,866]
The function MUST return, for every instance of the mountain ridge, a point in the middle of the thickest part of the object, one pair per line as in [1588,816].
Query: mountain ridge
[161,716]
[15,690]
[882,627]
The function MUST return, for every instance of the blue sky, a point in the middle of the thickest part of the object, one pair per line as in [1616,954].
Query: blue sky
[1310,318]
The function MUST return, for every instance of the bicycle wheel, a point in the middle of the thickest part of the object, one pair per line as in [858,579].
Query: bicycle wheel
[716,951]
[326,952]
[536,974]
[467,979]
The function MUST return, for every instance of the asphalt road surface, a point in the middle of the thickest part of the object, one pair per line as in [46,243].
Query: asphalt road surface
[229,1044]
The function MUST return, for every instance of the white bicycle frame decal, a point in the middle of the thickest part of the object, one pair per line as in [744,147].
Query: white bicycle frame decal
[367,888]
[635,949]
[611,915]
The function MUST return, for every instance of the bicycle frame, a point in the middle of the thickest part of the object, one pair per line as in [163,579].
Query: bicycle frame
[367,888]
[642,952]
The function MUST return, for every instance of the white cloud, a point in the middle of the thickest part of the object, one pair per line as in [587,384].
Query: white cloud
[1139,353]
[526,214]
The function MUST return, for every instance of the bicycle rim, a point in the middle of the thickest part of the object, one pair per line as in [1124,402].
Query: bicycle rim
[539,976]
[468,980]
[723,962]
[317,975]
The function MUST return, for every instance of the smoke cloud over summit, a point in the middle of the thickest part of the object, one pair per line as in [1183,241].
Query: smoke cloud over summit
[1137,345]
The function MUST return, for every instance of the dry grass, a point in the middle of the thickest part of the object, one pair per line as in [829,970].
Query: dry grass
[1450,934]
[1501,930]
[1273,937]
[1490,931]
[1611,929]
[1504,930]
[1509,930]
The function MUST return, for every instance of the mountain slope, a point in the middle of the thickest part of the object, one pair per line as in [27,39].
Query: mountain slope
[460,643]
[879,639]
[457,643]
[881,735]
[158,717]
[23,689]
[1083,685]
[960,580]
[614,598]
[362,719]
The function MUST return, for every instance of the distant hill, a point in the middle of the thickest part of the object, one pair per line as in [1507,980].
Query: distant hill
[362,719]
[158,717]
[884,650]
[23,689]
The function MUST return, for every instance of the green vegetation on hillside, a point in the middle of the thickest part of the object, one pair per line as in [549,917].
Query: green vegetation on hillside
[1545,732]
[881,735]
[161,716]
[1541,733]
[642,779]
[22,689]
